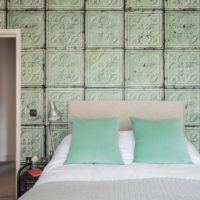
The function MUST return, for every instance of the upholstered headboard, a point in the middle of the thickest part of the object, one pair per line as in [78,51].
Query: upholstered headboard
[151,110]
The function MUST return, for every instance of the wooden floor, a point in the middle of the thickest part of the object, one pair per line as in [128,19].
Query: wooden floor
[7,181]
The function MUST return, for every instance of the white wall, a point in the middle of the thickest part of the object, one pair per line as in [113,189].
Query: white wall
[7,99]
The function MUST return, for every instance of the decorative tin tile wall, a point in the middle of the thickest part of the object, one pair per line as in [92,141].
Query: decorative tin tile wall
[101,50]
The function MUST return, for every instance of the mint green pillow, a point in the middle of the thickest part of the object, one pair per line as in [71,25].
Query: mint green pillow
[159,141]
[94,141]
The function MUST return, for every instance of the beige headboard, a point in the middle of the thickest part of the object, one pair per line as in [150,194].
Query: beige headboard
[151,110]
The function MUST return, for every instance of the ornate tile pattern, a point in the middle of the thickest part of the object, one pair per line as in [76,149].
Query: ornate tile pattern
[147,4]
[2,19]
[191,98]
[182,4]
[32,142]
[61,96]
[32,68]
[182,68]
[104,68]
[182,29]
[2,4]
[104,94]
[143,29]
[64,29]
[24,4]
[104,29]
[65,4]
[145,94]
[193,134]
[104,5]
[31,24]
[31,98]
[65,68]
[144,68]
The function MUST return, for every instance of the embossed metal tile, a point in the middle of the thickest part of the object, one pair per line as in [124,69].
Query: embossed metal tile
[31,24]
[65,4]
[2,4]
[193,134]
[65,68]
[104,5]
[191,98]
[64,29]
[32,68]
[144,4]
[182,68]
[2,19]
[182,29]
[144,68]
[144,94]
[61,96]
[183,4]
[104,94]
[104,29]
[31,98]
[104,68]
[143,29]
[25,4]
[32,142]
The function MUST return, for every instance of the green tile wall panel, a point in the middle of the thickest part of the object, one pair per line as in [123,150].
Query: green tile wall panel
[64,29]
[144,94]
[143,29]
[104,29]
[191,98]
[61,96]
[25,4]
[2,19]
[65,4]
[104,94]
[193,134]
[182,68]
[32,68]
[182,4]
[182,29]
[65,68]
[104,68]
[32,98]
[2,4]
[144,4]
[32,142]
[104,5]
[31,24]
[144,68]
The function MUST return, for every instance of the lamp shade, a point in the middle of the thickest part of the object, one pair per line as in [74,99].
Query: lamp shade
[53,114]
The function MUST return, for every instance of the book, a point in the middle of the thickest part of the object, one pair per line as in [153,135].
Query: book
[34,172]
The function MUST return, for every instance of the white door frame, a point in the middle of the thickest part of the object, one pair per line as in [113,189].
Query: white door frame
[16,33]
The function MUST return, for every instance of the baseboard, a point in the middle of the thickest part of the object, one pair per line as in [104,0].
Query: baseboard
[4,158]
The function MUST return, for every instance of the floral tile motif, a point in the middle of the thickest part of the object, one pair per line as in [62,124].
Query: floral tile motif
[144,68]
[104,5]
[182,68]
[64,29]
[104,68]
[182,4]
[65,4]
[61,96]
[143,29]
[31,24]
[144,94]
[2,19]
[32,142]
[31,98]
[104,29]
[104,94]
[191,98]
[65,68]
[182,29]
[148,4]
[32,68]
[24,4]
[2,4]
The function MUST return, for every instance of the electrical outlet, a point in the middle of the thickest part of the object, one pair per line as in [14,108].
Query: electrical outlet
[33,112]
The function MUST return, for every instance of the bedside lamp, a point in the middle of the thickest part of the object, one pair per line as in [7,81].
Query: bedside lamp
[53,115]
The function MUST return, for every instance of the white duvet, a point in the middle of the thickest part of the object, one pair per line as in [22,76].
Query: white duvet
[55,171]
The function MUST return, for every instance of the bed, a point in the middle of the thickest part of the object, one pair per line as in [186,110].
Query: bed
[134,181]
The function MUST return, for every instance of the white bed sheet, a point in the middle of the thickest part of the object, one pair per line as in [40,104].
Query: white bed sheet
[56,171]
